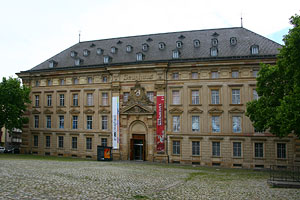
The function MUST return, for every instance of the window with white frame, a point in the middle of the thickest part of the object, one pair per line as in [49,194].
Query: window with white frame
[175,76]
[90,99]
[48,141]
[89,122]
[195,97]
[49,100]
[75,99]
[128,48]
[125,96]
[255,95]
[235,74]
[113,50]
[195,123]
[60,141]
[179,44]
[194,75]
[281,150]
[86,52]
[254,49]
[195,148]
[237,149]
[259,150]
[215,97]
[89,143]
[233,41]
[77,61]
[99,51]
[214,51]
[176,123]
[37,100]
[175,54]
[106,59]
[176,147]
[139,57]
[48,121]
[74,142]
[104,98]
[161,45]
[215,123]
[61,122]
[196,43]
[236,99]
[215,74]
[150,96]
[236,124]
[104,122]
[36,121]
[175,97]
[75,122]
[145,47]
[214,42]
[216,149]
[61,100]
[73,54]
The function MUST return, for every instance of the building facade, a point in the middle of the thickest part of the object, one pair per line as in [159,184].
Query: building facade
[174,97]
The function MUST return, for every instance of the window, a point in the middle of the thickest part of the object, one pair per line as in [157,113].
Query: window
[48,140]
[90,80]
[128,48]
[150,96]
[89,99]
[60,141]
[37,83]
[195,97]
[214,42]
[161,45]
[86,52]
[175,76]
[179,44]
[75,122]
[237,149]
[255,95]
[176,147]
[125,96]
[255,73]
[62,100]
[254,49]
[48,125]
[196,43]
[236,96]
[113,50]
[104,142]
[104,79]
[77,61]
[37,100]
[214,74]
[75,80]
[73,54]
[175,54]
[49,100]
[214,51]
[89,122]
[61,121]
[233,41]
[52,63]
[104,122]
[104,98]
[175,97]
[176,123]
[75,99]
[99,51]
[89,143]
[259,150]
[106,59]
[145,47]
[236,124]
[36,121]
[49,82]
[62,81]
[215,123]
[281,150]
[215,97]
[74,142]
[35,141]
[195,123]
[195,148]
[194,75]
[139,57]
[235,74]
[216,149]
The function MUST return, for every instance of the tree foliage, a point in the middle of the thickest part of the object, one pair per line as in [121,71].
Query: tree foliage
[278,108]
[13,100]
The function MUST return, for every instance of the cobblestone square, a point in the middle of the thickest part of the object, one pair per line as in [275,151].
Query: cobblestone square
[62,179]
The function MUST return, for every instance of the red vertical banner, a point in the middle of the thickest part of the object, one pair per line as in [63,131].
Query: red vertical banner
[160,125]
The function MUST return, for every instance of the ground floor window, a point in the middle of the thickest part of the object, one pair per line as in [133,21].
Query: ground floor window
[237,149]
[35,140]
[259,150]
[74,142]
[60,141]
[281,150]
[195,148]
[48,141]
[176,147]
[89,143]
[216,149]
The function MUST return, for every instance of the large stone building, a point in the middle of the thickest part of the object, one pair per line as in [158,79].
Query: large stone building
[178,97]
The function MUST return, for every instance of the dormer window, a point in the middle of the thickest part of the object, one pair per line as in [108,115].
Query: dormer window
[86,52]
[176,54]
[214,51]
[145,47]
[129,48]
[179,44]
[161,45]
[106,59]
[73,54]
[139,57]
[196,43]
[78,61]
[233,41]
[52,63]
[113,49]
[254,49]
[99,51]
[214,42]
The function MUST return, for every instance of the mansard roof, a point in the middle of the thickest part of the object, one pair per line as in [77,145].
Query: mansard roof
[221,39]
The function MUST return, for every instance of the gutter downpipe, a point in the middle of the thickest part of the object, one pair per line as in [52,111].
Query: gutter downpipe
[166,100]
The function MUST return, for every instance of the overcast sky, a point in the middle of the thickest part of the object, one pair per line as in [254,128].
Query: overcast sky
[32,31]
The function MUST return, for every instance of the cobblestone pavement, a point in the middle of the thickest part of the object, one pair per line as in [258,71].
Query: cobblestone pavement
[46,179]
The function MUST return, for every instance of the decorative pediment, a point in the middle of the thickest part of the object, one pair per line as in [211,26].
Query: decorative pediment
[47,111]
[195,110]
[137,109]
[236,110]
[104,111]
[89,111]
[35,111]
[74,111]
[215,111]
[138,95]
[176,111]
[60,111]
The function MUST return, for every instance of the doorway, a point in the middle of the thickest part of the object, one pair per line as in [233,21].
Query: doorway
[137,147]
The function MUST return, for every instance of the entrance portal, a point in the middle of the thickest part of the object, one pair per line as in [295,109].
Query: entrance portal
[137,147]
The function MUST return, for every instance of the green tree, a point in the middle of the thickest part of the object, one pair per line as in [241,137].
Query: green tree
[13,100]
[278,108]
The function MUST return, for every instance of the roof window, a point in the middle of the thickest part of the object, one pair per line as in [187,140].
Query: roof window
[161,45]
[140,56]
[145,47]
[175,54]
[179,44]
[233,41]
[78,61]
[214,42]
[214,51]
[99,51]
[86,52]
[113,50]
[106,59]
[52,63]
[129,48]
[196,43]
[73,54]
[254,49]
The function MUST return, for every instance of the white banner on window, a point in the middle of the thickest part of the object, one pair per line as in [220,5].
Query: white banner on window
[115,122]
